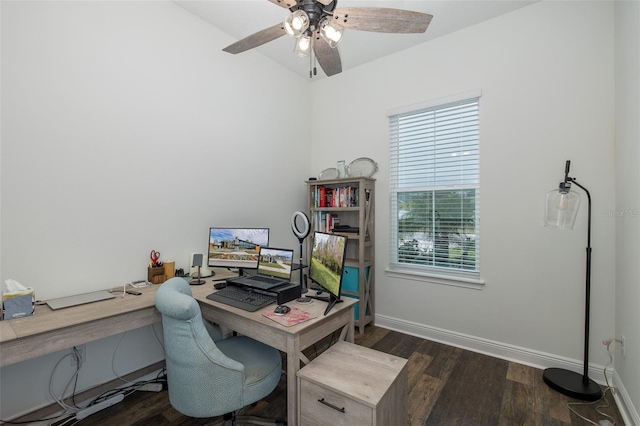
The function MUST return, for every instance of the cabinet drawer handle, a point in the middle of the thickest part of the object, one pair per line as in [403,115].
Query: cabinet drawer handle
[328,404]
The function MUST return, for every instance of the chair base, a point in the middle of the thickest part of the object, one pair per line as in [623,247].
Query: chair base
[232,419]
[252,420]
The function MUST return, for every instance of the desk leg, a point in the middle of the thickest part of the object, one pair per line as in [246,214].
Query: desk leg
[348,330]
[352,330]
[293,366]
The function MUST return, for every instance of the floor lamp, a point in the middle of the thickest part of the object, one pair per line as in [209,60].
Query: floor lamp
[561,210]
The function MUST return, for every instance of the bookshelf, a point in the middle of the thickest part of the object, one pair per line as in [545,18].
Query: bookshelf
[349,202]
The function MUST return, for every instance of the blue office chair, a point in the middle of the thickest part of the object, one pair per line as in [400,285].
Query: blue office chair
[209,376]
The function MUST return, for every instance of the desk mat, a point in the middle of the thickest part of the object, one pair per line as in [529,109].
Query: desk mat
[293,317]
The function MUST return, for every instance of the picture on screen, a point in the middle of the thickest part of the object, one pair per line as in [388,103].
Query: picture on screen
[236,247]
[327,261]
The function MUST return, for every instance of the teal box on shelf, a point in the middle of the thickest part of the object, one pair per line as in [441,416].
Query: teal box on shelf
[351,281]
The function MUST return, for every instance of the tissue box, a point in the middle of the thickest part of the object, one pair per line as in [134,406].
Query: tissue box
[17,304]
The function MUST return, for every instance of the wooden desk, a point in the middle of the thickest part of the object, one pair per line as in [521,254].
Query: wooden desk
[49,331]
[290,340]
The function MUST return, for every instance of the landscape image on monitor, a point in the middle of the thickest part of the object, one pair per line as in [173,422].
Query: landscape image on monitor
[327,261]
[276,262]
[236,247]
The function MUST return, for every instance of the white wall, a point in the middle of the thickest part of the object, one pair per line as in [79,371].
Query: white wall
[547,79]
[101,100]
[628,199]
[125,128]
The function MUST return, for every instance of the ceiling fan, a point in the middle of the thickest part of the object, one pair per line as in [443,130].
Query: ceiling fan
[318,25]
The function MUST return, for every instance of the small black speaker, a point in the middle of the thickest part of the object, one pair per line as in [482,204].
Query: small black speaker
[285,293]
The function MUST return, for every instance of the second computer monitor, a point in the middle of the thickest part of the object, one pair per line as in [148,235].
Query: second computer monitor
[327,264]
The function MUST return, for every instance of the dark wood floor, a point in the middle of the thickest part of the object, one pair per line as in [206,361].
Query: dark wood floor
[447,386]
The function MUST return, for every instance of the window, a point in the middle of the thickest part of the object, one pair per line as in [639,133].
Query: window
[435,189]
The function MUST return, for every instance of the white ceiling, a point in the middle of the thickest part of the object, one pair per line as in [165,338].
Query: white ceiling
[241,18]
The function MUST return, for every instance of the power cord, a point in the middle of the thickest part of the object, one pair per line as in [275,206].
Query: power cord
[160,379]
[113,357]
[74,378]
[609,420]
[69,411]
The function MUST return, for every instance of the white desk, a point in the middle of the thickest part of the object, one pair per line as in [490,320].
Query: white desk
[49,331]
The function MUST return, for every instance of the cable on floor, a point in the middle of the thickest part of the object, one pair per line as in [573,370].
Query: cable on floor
[608,388]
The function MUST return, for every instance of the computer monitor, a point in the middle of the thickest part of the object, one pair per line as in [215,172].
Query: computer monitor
[327,264]
[236,247]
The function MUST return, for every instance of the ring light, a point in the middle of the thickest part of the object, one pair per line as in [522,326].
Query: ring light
[301,234]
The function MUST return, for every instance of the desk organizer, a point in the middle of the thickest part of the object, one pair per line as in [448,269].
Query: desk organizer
[156,275]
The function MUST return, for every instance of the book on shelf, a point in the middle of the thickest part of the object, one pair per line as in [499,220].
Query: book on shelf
[326,221]
[328,196]
[322,196]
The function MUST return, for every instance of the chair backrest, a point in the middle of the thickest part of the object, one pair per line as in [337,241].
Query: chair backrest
[203,382]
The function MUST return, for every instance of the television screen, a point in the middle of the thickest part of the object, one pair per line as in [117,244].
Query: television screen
[327,264]
[236,247]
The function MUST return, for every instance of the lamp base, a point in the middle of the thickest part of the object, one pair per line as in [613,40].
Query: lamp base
[572,384]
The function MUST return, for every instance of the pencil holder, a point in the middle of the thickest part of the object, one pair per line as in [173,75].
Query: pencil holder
[156,275]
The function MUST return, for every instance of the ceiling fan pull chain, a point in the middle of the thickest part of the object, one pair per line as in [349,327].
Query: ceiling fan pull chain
[315,70]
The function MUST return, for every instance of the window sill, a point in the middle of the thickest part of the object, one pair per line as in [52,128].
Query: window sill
[410,274]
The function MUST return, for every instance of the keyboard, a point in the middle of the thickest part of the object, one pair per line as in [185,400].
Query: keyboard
[241,298]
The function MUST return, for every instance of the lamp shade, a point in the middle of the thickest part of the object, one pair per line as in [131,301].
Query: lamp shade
[561,208]
[330,32]
[303,46]
[296,23]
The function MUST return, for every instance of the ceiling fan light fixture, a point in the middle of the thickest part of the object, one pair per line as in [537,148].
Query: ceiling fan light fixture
[296,23]
[330,32]
[303,46]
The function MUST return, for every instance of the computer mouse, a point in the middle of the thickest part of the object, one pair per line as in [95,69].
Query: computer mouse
[281,309]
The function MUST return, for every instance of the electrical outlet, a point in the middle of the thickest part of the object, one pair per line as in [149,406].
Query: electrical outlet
[81,351]
[624,351]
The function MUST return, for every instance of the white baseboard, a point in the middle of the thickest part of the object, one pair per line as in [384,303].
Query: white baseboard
[514,353]
[623,401]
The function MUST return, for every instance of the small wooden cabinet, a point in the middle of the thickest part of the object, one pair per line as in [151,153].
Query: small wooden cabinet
[353,385]
[349,202]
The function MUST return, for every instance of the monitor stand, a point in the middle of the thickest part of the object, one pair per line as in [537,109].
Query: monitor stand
[332,300]
[242,272]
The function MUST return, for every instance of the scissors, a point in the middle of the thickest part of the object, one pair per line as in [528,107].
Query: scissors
[154,256]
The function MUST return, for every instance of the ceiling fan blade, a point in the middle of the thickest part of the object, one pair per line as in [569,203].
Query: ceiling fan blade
[325,2]
[382,20]
[257,39]
[328,57]
[284,3]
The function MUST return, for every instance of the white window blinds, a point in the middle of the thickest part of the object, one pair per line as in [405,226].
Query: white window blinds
[434,188]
